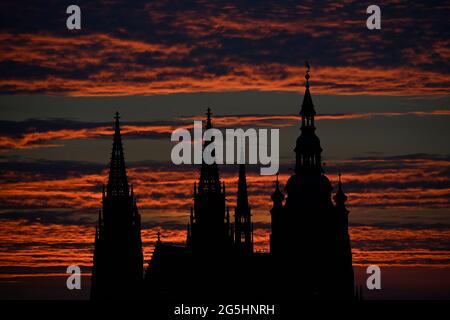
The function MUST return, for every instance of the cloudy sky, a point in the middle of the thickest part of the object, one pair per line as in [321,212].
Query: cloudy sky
[382,99]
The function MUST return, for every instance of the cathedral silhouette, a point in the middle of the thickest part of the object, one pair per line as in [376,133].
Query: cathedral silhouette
[310,254]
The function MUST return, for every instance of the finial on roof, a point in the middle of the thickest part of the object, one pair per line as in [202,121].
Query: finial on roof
[307,76]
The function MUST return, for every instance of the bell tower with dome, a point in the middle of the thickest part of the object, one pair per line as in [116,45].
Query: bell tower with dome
[310,233]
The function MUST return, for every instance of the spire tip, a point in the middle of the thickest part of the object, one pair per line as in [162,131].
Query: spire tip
[307,76]
[208,118]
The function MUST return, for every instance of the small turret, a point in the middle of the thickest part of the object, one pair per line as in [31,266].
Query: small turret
[276,218]
[340,198]
[277,195]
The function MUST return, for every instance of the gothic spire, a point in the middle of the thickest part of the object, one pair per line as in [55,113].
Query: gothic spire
[118,232]
[243,225]
[117,182]
[209,173]
[242,195]
[307,109]
[308,150]
[210,228]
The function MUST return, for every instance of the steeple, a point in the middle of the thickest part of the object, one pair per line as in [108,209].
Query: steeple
[308,150]
[209,226]
[118,234]
[209,173]
[117,182]
[243,225]
[242,196]
[307,109]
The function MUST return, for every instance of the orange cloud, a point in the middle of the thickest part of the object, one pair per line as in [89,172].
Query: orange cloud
[165,192]
[129,76]
[31,140]
[50,248]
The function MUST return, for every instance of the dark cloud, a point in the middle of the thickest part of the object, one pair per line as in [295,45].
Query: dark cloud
[396,225]
[19,128]
[47,168]
[33,133]
[67,217]
[183,45]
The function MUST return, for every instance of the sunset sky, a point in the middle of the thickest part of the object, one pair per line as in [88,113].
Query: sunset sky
[382,99]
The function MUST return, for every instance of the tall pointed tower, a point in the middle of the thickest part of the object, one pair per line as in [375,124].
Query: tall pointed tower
[118,261]
[308,150]
[243,227]
[209,227]
[311,236]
